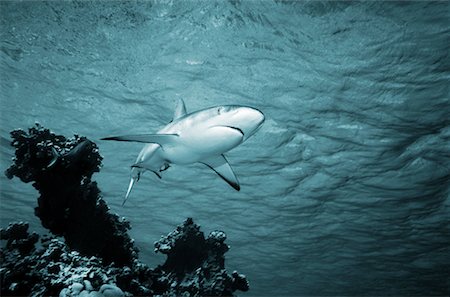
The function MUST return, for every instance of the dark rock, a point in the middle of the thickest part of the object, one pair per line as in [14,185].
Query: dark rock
[239,282]
[185,248]
[195,266]
[70,204]
[17,237]
[48,270]
[55,269]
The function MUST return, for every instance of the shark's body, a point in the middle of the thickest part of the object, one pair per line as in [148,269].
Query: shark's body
[72,156]
[202,136]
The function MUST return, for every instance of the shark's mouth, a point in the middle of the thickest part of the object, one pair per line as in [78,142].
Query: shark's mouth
[237,129]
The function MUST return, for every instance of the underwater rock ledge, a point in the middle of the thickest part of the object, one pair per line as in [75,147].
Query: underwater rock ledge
[197,265]
[54,269]
[97,257]
[70,204]
[194,267]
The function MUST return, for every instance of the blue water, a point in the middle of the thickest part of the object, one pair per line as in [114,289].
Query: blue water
[345,189]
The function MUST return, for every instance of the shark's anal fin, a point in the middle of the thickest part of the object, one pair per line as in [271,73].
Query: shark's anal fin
[161,139]
[180,110]
[220,165]
[139,165]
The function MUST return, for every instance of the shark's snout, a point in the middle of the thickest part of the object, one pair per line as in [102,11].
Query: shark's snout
[259,117]
[250,120]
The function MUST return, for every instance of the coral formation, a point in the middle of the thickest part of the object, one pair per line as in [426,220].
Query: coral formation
[194,267]
[54,269]
[70,203]
[18,238]
[197,265]
[98,258]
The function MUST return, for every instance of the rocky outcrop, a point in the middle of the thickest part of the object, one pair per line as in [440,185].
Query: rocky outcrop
[195,266]
[70,203]
[54,269]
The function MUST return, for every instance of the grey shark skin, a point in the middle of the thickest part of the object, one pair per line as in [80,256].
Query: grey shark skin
[72,156]
[202,136]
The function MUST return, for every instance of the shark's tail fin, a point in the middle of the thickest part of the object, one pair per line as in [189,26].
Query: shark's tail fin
[135,175]
[133,180]
[55,157]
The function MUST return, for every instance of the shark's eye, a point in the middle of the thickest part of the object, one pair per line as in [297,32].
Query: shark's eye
[219,110]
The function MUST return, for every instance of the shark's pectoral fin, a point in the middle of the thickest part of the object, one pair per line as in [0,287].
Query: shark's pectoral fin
[180,110]
[161,139]
[220,165]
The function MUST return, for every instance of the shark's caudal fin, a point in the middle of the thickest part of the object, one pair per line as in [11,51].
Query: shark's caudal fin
[160,139]
[133,180]
[55,157]
[180,110]
[220,165]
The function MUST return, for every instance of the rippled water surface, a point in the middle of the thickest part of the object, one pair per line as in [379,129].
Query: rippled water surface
[345,189]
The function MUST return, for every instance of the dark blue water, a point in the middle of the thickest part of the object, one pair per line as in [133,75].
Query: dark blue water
[345,189]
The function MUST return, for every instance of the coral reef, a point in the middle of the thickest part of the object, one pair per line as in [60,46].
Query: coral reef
[18,238]
[54,269]
[70,203]
[196,265]
[97,258]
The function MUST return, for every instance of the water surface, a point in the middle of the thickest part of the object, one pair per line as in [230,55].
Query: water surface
[345,189]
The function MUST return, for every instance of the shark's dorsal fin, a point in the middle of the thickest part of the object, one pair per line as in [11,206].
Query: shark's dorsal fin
[180,110]
[161,139]
[220,165]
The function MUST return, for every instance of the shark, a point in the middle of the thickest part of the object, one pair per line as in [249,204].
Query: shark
[71,157]
[203,136]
